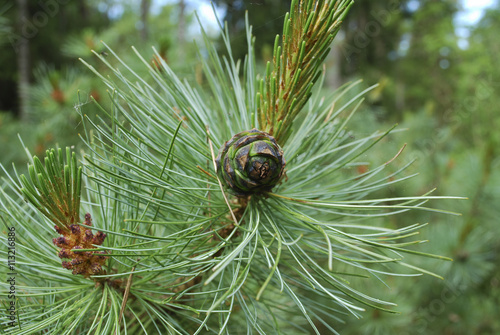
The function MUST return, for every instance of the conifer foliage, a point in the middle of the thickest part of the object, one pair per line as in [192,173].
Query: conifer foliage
[185,254]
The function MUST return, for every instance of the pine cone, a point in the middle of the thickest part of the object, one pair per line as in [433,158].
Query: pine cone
[250,162]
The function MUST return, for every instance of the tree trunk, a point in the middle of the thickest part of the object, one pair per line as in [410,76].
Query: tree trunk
[84,11]
[181,31]
[145,4]
[23,61]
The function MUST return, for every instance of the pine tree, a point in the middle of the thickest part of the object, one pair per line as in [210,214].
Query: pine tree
[265,237]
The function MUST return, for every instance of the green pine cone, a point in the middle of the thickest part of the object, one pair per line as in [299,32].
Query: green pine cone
[250,162]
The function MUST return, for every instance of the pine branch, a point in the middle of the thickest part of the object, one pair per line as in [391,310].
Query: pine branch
[307,35]
[54,189]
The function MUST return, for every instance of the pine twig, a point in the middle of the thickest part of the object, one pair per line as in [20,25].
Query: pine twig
[125,296]
[307,35]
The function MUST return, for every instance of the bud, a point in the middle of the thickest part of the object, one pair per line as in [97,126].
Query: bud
[99,238]
[75,229]
[88,236]
[60,241]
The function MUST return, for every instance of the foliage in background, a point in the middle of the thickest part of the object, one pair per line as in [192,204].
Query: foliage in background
[267,21]
[45,27]
[60,83]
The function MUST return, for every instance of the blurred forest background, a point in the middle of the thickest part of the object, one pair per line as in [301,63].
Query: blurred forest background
[439,72]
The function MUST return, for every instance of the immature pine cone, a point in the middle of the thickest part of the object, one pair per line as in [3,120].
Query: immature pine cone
[250,162]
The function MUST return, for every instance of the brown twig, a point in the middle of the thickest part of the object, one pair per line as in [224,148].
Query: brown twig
[125,296]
